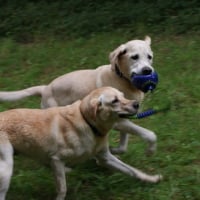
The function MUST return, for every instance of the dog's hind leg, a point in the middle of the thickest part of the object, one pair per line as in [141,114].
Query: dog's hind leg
[59,173]
[122,145]
[108,160]
[6,164]
[48,102]
[48,99]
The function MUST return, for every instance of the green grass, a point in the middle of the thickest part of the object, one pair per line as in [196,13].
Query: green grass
[177,62]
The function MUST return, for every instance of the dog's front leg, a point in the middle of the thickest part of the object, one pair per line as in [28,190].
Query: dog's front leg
[110,161]
[129,127]
[59,173]
[122,144]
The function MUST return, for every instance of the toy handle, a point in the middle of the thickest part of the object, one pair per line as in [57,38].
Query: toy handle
[145,114]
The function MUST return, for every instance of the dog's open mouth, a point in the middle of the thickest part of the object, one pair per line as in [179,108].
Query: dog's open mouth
[126,115]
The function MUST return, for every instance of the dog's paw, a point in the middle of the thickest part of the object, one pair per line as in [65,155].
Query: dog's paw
[151,150]
[117,150]
[152,179]
[157,178]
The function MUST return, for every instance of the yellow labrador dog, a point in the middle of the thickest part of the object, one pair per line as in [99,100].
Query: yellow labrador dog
[133,57]
[64,136]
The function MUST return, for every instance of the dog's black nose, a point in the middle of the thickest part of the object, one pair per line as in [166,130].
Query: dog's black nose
[136,105]
[146,70]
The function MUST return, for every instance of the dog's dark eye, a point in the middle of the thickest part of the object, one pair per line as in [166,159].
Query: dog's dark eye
[135,57]
[115,101]
[149,57]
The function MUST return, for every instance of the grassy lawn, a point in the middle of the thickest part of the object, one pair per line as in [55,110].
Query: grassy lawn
[175,58]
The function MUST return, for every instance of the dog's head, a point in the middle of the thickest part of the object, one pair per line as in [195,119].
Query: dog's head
[133,57]
[106,105]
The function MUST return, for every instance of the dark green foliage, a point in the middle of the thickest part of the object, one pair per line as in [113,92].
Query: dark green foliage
[27,18]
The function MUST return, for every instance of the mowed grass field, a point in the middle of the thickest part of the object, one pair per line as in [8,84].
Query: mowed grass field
[176,59]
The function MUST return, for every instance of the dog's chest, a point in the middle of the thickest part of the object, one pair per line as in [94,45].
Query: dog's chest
[81,147]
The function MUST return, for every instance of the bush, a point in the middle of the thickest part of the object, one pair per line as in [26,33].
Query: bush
[26,18]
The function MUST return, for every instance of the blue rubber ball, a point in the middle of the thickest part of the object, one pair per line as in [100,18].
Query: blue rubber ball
[145,82]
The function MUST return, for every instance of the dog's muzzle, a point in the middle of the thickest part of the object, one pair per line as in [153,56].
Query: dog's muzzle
[144,82]
[131,110]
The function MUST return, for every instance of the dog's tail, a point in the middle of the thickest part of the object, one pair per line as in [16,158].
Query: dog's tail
[21,94]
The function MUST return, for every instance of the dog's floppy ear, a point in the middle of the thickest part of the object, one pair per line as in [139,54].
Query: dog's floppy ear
[148,40]
[114,56]
[95,103]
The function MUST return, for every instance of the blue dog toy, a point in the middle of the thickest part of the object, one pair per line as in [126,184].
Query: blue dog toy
[145,82]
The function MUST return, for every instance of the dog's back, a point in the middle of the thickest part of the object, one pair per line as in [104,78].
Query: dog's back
[25,132]
[41,133]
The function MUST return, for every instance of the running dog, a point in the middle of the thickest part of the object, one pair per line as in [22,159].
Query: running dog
[65,136]
[133,57]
